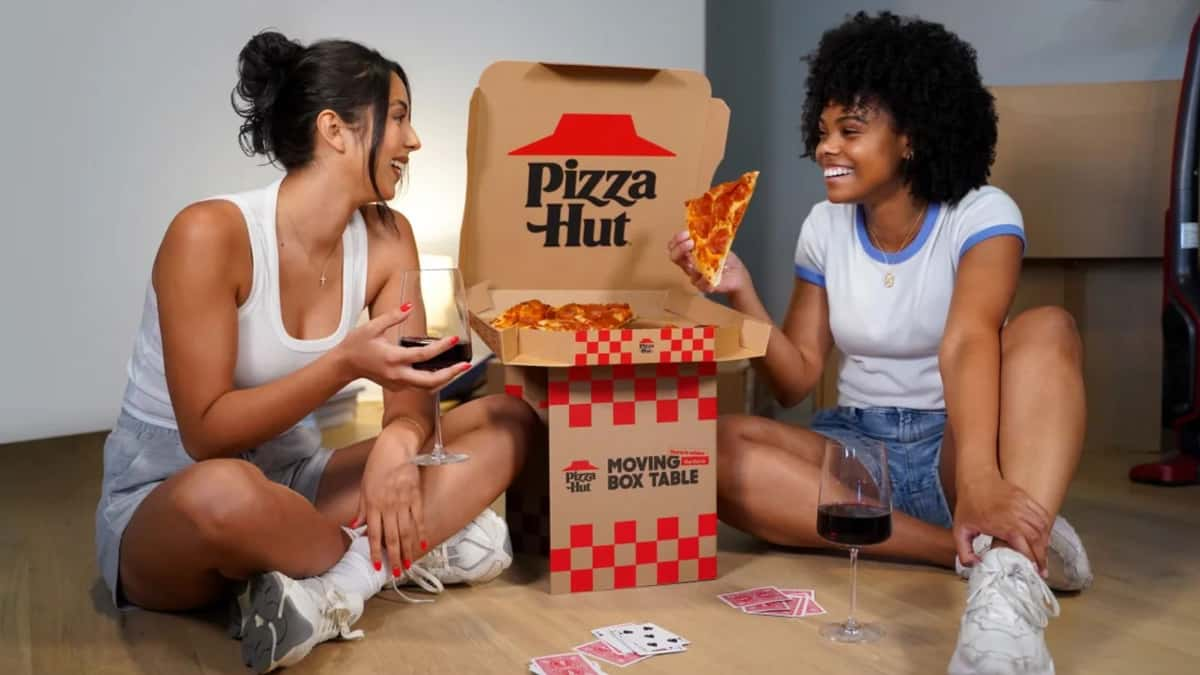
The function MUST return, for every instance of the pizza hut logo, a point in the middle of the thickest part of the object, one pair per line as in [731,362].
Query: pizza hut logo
[646,346]
[564,190]
[579,475]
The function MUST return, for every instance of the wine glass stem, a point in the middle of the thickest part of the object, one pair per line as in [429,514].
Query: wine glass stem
[851,623]
[438,449]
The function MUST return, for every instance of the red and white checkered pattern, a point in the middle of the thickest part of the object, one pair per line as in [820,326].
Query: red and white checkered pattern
[628,346]
[688,345]
[624,395]
[621,555]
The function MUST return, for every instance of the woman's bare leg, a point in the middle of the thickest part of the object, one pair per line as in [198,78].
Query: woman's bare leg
[768,481]
[222,520]
[1042,404]
[496,431]
[1043,410]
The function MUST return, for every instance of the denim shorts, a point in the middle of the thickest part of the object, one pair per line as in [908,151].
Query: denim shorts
[139,457]
[914,444]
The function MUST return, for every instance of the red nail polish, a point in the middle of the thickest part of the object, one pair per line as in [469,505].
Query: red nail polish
[424,545]
[395,571]
[454,340]
[354,523]
[407,564]
[378,565]
[405,307]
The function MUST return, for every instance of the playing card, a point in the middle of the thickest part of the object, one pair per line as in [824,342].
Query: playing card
[649,639]
[753,596]
[792,607]
[797,592]
[605,652]
[813,608]
[608,634]
[564,664]
[785,605]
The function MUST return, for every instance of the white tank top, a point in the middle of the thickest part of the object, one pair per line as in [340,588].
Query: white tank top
[266,351]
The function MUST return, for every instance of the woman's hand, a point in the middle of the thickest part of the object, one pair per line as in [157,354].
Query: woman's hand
[368,352]
[390,504]
[734,278]
[997,507]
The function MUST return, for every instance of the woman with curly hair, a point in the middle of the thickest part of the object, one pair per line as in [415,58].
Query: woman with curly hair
[909,269]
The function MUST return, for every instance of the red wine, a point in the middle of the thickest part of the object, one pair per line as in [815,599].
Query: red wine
[854,524]
[459,353]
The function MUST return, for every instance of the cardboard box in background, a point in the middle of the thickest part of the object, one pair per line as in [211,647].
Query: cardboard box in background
[577,178]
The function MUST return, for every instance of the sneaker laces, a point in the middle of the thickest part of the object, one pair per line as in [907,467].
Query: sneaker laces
[416,574]
[437,560]
[335,615]
[1021,589]
[423,578]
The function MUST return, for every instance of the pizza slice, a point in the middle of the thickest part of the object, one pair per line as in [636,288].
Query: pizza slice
[713,219]
[524,314]
[597,315]
[572,316]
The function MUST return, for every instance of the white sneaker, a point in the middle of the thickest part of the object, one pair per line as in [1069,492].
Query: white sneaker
[354,575]
[477,554]
[1003,628]
[286,618]
[1066,559]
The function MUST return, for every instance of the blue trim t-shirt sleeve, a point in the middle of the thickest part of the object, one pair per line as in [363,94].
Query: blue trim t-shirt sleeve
[987,213]
[811,247]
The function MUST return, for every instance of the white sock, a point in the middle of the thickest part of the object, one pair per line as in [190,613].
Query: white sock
[355,573]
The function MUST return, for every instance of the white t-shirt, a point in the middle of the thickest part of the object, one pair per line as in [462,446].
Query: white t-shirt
[890,336]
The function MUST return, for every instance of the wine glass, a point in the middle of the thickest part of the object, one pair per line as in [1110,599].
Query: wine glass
[854,509]
[439,311]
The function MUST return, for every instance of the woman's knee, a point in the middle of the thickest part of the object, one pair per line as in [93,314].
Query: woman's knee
[733,450]
[510,408]
[732,433]
[515,418]
[219,497]
[1040,335]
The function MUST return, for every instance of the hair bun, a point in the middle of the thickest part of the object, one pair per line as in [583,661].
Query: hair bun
[263,65]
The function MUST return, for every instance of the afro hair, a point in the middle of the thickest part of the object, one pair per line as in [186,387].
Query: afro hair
[927,79]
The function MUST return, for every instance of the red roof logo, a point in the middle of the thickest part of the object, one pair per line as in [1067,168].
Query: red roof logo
[581,465]
[594,134]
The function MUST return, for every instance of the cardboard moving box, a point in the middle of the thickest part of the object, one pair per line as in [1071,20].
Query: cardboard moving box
[577,177]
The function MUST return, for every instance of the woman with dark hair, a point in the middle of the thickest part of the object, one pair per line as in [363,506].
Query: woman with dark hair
[213,481]
[909,268]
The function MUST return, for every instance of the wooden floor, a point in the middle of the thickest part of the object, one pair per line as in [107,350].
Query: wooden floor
[1142,616]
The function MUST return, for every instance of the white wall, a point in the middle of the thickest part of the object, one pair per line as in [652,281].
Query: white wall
[116,115]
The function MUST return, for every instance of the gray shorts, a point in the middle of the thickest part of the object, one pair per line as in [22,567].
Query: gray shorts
[138,457]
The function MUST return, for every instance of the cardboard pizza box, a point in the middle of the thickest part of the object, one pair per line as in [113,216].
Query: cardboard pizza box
[577,178]
[736,386]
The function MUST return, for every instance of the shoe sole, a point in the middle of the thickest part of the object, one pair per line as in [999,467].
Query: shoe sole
[273,626]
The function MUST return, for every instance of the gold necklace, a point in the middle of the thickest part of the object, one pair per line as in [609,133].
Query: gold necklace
[889,279]
[328,257]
